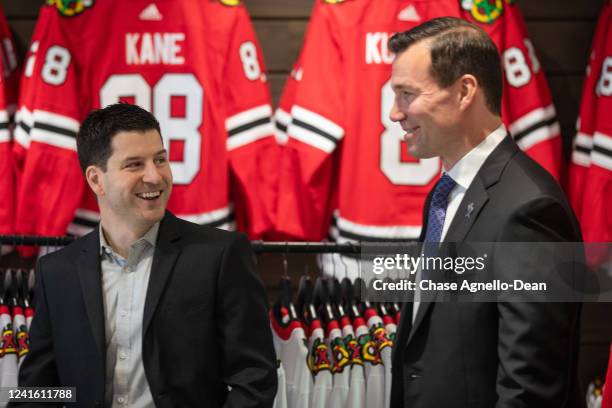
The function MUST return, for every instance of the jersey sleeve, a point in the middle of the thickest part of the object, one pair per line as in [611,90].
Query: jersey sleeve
[8,99]
[585,126]
[527,108]
[51,183]
[252,149]
[596,218]
[315,131]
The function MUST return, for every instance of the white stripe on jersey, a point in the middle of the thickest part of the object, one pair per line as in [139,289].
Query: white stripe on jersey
[62,124]
[23,119]
[210,216]
[5,135]
[80,229]
[257,123]
[585,142]
[248,116]
[603,158]
[283,119]
[376,231]
[250,135]
[228,226]
[88,215]
[535,116]
[324,134]
[539,134]
[4,116]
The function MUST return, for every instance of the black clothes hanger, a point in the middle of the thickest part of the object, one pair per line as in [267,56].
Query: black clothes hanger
[334,289]
[304,303]
[285,295]
[321,300]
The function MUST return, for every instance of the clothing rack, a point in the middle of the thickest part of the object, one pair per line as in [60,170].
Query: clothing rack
[258,246]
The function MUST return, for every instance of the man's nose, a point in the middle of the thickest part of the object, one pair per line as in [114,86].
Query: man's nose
[151,174]
[396,114]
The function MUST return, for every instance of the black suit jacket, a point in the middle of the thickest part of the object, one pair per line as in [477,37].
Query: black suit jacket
[497,354]
[205,323]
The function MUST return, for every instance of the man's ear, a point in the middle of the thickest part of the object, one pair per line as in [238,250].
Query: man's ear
[93,175]
[468,85]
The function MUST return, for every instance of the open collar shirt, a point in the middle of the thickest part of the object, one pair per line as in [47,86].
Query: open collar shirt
[124,288]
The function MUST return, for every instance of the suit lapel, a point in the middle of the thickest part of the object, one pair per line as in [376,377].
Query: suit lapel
[90,276]
[472,204]
[164,258]
[405,325]
[473,201]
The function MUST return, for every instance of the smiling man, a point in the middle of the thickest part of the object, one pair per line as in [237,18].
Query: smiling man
[148,310]
[447,80]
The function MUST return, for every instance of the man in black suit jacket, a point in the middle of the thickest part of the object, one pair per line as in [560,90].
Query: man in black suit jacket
[194,333]
[514,353]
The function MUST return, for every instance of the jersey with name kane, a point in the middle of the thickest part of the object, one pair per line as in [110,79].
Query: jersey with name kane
[196,66]
[345,162]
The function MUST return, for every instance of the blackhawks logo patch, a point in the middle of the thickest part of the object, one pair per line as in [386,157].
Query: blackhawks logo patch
[484,11]
[70,8]
[230,2]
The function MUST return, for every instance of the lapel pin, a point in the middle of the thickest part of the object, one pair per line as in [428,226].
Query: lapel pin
[470,210]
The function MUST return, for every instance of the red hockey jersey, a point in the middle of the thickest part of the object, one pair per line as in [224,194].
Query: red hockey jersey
[196,66]
[595,217]
[8,99]
[344,156]
[586,124]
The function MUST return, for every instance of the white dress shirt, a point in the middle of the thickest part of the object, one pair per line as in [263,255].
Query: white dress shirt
[463,172]
[124,288]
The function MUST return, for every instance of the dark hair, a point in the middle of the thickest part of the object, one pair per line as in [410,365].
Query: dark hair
[97,130]
[458,47]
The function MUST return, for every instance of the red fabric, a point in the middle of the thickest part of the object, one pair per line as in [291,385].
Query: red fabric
[354,182]
[196,66]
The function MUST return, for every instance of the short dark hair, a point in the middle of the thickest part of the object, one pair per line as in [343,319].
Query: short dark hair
[97,130]
[458,47]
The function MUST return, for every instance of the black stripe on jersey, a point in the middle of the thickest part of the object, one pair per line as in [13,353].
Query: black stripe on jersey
[351,235]
[313,129]
[582,149]
[218,223]
[24,126]
[534,127]
[282,127]
[248,126]
[55,129]
[602,150]
[85,222]
[3,125]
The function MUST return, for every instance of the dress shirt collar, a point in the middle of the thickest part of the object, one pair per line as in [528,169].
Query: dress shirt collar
[464,171]
[137,249]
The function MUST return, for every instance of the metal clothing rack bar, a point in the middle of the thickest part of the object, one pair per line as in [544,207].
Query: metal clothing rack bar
[258,246]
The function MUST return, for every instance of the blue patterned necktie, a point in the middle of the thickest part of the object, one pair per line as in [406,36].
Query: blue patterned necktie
[437,213]
[433,235]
